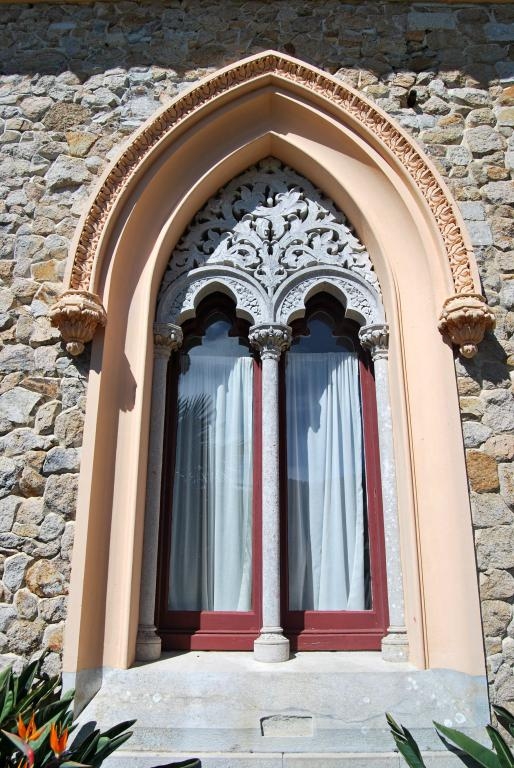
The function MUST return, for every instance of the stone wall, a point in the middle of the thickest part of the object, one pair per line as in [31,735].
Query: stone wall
[76,81]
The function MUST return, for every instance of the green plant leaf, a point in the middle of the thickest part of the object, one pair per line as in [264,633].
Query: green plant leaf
[405,743]
[117,729]
[505,718]
[480,754]
[19,743]
[502,750]
[113,744]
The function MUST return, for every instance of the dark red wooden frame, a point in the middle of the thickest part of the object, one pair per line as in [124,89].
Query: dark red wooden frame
[307,630]
[208,630]
[341,630]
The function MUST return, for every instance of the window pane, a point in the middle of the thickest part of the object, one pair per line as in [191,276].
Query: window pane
[211,536]
[326,537]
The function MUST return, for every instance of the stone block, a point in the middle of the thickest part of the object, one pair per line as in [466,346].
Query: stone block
[61,494]
[14,570]
[472,97]
[25,636]
[506,476]
[496,616]
[495,547]
[499,411]
[483,140]
[45,417]
[26,604]
[17,404]
[8,614]
[69,426]
[51,527]
[53,637]
[507,294]
[482,472]
[9,473]
[30,511]
[80,142]
[480,233]
[500,192]
[16,357]
[67,172]
[24,439]
[436,19]
[490,509]
[52,609]
[45,580]
[474,434]
[8,507]
[61,460]
[501,447]
[31,483]
[496,585]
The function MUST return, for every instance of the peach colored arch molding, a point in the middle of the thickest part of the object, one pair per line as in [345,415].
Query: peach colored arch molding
[272,105]
[465,316]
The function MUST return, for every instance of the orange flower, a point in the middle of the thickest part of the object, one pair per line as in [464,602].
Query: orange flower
[58,742]
[28,732]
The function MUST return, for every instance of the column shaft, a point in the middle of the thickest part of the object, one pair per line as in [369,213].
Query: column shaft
[148,643]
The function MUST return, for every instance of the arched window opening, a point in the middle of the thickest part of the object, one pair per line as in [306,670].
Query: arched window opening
[271,523]
[209,578]
[333,565]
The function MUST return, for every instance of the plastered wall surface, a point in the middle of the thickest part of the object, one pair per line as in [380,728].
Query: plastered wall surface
[76,81]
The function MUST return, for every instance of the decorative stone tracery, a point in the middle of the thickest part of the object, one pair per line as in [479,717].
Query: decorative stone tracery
[349,103]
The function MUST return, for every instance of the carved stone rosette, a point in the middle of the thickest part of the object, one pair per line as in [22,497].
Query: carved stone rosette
[271,339]
[376,339]
[464,320]
[77,314]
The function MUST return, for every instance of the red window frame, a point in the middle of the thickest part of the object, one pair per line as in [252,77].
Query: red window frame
[208,630]
[307,630]
[341,630]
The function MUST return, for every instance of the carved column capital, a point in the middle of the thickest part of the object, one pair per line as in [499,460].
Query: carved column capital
[271,339]
[464,320]
[376,339]
[77,314]
[167,338]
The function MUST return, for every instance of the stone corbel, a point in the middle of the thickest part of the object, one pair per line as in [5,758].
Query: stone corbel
[464,320]
[77,315]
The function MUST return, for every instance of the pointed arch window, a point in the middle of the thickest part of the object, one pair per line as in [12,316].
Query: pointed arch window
[270,288]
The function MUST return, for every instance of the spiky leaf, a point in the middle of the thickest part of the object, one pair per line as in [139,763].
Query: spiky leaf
[479,754]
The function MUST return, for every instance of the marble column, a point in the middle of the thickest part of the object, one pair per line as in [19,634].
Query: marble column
[167,338]
[395,645]
[271,340]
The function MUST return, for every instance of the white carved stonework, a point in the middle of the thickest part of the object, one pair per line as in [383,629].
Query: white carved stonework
[270,240]
[362,303]
[376,339]
[270,222]
[179,301]
[270,339]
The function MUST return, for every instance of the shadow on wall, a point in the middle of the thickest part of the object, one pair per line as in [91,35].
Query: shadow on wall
[47,38]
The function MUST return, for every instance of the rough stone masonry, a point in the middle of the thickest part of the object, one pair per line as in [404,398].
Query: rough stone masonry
[76,81]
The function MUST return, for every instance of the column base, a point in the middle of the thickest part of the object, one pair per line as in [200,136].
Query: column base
[271,646]
[148,643]
[395,646]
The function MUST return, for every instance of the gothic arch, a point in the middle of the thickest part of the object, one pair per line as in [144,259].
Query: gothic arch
[273,105]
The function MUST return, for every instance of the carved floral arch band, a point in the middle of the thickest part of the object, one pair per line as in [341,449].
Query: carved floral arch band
[465,316]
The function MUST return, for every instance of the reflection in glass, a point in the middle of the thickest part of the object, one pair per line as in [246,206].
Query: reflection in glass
[211,537]
[326,540]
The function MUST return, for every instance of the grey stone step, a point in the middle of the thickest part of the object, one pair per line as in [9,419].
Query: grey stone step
[226,706]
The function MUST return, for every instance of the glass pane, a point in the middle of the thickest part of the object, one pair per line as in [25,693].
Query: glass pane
[326,526]
[211,536]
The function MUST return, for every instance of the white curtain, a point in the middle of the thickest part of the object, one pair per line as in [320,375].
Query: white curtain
[325,475]
[211,538]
